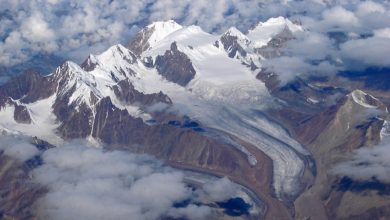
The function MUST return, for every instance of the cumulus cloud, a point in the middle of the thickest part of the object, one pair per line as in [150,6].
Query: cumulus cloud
[289,67]
[338,18]
[84,182]
[220,190]
[368,164]
[17,148]
[371,51]
[89,183]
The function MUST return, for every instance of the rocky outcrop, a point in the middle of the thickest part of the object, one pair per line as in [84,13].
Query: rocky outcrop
[127,94]
[140,42]
[21,114]
[175,66]
[89,64]
[27,88]
[232,42]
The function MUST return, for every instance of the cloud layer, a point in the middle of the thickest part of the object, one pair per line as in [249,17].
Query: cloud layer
[368,164]
[17,148]
[90,183]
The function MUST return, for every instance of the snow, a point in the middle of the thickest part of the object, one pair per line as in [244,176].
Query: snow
[84,83]
[43,123]
[213,65]
[359,97]
[192,36]
[312,100]
[385,131]
[161,30]
[115,56]
[263,32]
[242,39]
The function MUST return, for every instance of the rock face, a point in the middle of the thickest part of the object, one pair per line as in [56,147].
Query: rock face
[151,34]
[140,42]
[27,88]
[21,114]
[126,93]
[175,66]
[233,41]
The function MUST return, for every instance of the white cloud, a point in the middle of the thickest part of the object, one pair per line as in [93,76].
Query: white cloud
[36,29]
[371,51]
[311,46]
[369,7]
[17,148]
[220,190]
[89,183]
[289,67]
[338,18]
[368,163]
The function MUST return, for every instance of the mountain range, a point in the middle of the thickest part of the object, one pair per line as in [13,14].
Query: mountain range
[203,102]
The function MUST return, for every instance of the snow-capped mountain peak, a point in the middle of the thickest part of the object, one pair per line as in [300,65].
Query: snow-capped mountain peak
[233,31]
[152,34]
[161,29]
[115,53]
[263,32]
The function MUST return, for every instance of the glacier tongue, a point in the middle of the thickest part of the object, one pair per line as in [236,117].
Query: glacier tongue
[231,107]
[226,96]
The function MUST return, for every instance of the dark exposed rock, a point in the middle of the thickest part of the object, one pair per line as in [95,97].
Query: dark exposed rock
[78,122]
[148,62]
[21,114]
[27,88]
[175,66]
[126,93]
[41,144]
[88,64]
[231,45]
[140,42]
[115,126]
[75,119]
